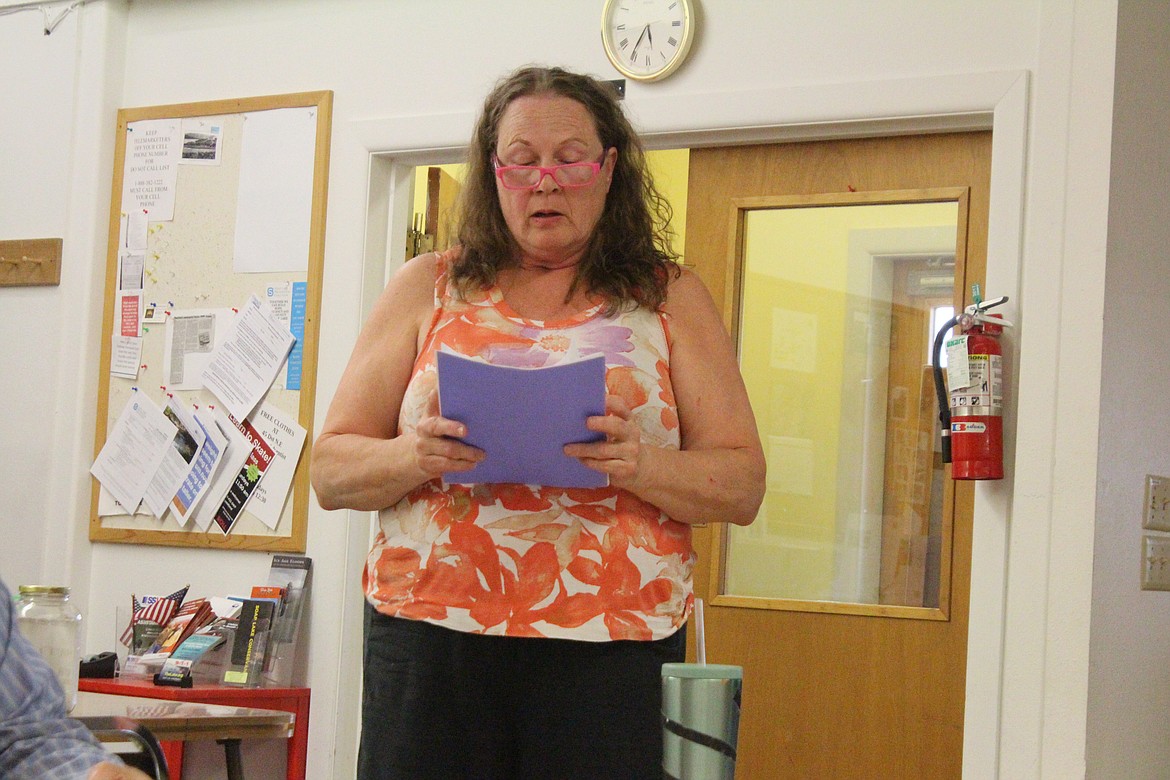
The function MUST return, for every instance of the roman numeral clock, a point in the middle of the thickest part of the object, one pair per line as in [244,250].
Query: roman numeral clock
[647,40]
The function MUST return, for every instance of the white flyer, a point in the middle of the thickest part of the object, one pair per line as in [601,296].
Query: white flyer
[133,450]
[243,368]
[286,437]
[192,337]
[125,356]
[153,147]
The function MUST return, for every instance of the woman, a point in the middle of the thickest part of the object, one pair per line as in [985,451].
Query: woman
[519,631]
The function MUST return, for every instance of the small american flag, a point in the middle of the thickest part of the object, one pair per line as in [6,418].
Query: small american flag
[153,609]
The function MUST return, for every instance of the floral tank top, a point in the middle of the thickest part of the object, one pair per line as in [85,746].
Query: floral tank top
[592,564]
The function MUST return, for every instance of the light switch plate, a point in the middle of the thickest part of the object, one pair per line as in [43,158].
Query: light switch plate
[1156,516]
[1155,562]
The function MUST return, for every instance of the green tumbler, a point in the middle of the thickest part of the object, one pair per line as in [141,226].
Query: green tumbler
[700,720]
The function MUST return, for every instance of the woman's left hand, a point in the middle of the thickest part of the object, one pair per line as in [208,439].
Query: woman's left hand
[620,455]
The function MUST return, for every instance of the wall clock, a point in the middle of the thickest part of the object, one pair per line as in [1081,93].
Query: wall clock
[647,40]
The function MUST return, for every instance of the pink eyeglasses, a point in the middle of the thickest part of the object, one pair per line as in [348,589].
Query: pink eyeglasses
[528,177]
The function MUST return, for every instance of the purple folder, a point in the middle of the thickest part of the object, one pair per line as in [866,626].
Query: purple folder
[522,417]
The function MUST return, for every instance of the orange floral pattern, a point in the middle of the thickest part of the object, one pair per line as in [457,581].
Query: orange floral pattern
[591,564]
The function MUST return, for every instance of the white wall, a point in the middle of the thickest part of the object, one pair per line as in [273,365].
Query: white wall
[34,177]
[1130,647]
[410,74]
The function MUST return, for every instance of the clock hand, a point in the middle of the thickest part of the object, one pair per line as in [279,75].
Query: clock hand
[634,51]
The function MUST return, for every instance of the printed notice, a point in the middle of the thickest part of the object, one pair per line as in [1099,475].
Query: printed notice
[133,451]
[192,338]
[279,296]
[152,158]
[288,300]
[286,438]
[125,356]
[130,270]
[129,313]
[137,230]
[243,368]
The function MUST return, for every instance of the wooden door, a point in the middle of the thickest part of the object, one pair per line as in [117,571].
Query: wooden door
[830,690]
[442,195]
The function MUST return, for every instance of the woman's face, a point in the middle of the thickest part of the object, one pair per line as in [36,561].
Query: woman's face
[551,224]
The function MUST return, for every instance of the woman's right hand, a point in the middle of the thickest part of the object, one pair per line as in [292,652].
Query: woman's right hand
[437,449]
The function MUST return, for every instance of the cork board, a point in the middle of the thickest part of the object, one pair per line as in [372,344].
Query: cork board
[193,263]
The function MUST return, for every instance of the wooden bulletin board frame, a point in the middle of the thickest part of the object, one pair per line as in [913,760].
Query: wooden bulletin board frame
[200,275]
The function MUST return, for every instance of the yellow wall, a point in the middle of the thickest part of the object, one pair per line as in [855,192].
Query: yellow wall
[670,168]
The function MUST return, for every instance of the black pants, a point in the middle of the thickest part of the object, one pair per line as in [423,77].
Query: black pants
[445,704]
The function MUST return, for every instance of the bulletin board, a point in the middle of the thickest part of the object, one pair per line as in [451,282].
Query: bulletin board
[192,261]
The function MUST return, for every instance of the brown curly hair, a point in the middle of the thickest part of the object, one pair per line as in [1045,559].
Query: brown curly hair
[629,260]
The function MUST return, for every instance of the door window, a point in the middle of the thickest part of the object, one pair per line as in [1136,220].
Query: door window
[838,299]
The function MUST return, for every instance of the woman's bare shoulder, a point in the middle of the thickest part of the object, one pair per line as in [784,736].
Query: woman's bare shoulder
[687,298]
[411,289]
[419,271]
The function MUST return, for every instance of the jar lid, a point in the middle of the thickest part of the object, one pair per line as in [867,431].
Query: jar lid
[703,671]
[41,590]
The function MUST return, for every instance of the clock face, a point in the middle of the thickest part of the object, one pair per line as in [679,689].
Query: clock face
[647,39]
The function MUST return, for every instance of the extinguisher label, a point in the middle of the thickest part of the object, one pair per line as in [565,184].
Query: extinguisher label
[958,371]
[968,427]
[983,395]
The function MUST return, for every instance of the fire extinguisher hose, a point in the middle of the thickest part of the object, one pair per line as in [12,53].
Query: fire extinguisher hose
[940,388]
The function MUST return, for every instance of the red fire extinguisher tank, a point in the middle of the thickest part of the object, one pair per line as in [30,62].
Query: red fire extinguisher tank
[977,410]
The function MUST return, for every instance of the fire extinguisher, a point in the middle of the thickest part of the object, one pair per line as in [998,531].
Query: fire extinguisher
[971,414]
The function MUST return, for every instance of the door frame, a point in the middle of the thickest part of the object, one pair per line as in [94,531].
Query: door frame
[387,149]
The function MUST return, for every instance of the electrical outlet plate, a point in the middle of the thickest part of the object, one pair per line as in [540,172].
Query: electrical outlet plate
[1155,562]
[1156,516]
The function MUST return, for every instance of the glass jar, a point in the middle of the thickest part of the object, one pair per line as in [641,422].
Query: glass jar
[53,626]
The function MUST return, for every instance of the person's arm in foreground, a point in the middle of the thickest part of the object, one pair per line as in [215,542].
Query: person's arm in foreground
[116,772]
[718,474]
[38,741]
[359,461]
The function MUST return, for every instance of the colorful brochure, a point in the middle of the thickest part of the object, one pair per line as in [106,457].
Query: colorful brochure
[246,479]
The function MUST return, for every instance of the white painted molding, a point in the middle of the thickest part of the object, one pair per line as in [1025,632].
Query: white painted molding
[987,616]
